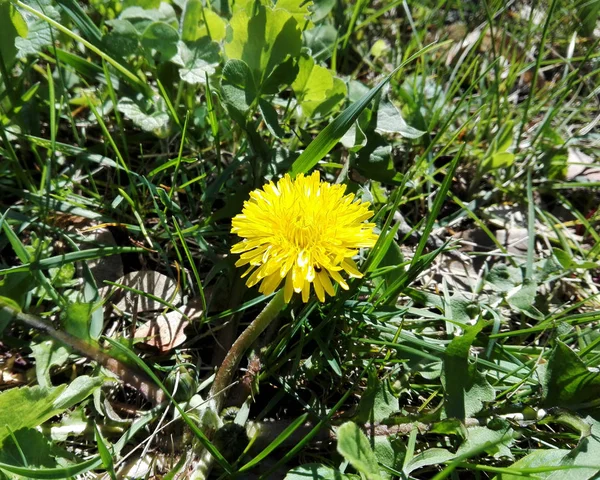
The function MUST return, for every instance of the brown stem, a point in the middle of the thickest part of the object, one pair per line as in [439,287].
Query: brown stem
[126,373]
[237,350]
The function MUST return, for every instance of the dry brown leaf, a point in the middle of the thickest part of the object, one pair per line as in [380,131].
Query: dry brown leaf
[165,332]
[580,165]
[104,268]
[147,281]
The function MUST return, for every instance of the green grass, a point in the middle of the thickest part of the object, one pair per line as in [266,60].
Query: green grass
[458,355]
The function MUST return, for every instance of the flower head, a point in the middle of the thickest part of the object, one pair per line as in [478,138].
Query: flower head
[304,231]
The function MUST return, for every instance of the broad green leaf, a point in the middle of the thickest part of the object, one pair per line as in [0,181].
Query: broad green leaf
[497,161]
[28,407]
[162,38]
[247,5]
[504,278]
[465,388]
[317,90]
[47,353]
[123,40]
[390,120]
[354,446]
[77,318]
[585,454]
[150,116]
[197,60]
[238,88]
[192,18]
[282,76]
[494,442]
[378,402]
[374,160]
[333,132]
[321,41]
[59,473]
[12,26]
[270,116]
[321,8]
[313,81]
[431,456]
[300,10]
[587,14]
[141,18]
[315,471]
[567,382]
[335,96]
[214,26]
[523,300]
[199,22]
[390,450]
[537,458]
[30,444]
[146,4]
[39,33]
[263,40]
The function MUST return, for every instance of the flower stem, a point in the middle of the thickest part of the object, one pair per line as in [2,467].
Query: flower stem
[239,347]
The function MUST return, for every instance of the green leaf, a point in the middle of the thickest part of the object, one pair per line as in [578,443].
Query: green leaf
[300,10]
[270,116]
[314,471]
[567,382]
[586,454]
[537,458]
[39,33]
[497,161]
[504,278]
[374,160]
[321,41]
[53,473]
[588,13]
[333,132]
[77,318]
[465,388]
[431,456]
[199,22]
[105,455]
[523,300]
[12,26]
[282,76]
[312,82]
[238,88]
[493,442]
[141,18]
[47,353]
[148,115]
[321,9]
[28,407]
[28,444]
[163,38]
[263,40]
[123,40]
[378,402]
[354,446]
[191,20]
[390,120]
[197,60]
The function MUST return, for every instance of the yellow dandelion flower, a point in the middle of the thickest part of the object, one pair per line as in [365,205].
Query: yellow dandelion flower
[304,231]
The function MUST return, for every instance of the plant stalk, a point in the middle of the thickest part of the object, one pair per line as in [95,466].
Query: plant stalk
[240,346]
[126,373]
